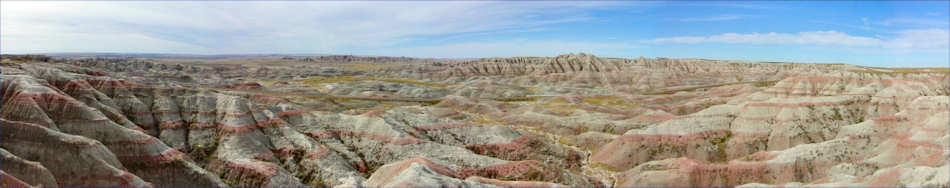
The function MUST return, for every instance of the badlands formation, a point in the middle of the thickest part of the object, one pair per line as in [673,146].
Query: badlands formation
[574,120]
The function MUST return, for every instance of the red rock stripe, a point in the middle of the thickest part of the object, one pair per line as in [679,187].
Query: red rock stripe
[238,115]
[391,140]
[10,181]
[668,138]
[506,169]
[447,126]
[826,79]
[264,156]
[804,88]
[160,112]
[165,156]
[248,127]
[199,112]
[516,183]
[204,124]
[45,99]
[169,125]
[777,121]
[125,179]
[319,135]
[291,112]
[702,116]
[809,94]
[453,114]
[261,168]
[889,118]
[322,151]
[147,140]
[802,104]
[515,144]
[236,128]
[271,122]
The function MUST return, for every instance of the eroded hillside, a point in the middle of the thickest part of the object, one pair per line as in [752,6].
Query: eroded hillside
[571,120]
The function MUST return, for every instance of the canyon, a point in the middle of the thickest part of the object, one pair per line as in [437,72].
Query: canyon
[573,120]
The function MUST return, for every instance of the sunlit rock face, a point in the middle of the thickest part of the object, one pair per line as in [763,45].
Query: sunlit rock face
[575,120]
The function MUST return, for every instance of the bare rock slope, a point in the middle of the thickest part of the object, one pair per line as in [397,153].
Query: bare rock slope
[571,120]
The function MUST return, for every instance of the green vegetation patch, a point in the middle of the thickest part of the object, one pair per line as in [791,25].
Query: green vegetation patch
[691,89]
[318,81]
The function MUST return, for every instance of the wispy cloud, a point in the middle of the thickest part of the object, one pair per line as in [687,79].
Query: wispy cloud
[920,39]
[725,17]
[865,25]
[914,22]
[263,27]
[812,37]
[907,40]
[890,25]
[741,5]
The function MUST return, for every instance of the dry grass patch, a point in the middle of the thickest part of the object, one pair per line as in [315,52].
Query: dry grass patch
[603,166]
[609,101]
[517,99]
[319,81]
[365,66]
[766,83]
[266,83]
[562,107]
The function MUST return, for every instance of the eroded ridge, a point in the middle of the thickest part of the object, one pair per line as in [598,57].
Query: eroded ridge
[574,120]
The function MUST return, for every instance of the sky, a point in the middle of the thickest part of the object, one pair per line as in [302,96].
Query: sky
[883,34]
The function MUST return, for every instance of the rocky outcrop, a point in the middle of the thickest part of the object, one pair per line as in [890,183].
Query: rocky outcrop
[572,120]
[857,156]
[31,172]
[586,69]
[421,172]
[78,161]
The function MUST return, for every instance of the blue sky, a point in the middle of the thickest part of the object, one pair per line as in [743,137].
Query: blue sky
[888,34]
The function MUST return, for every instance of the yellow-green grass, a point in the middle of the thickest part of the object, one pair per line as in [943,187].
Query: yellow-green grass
[319,81]
[690,89]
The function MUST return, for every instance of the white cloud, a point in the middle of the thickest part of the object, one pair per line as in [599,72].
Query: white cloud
[264,27]
[812,37]
[687,40]
[725,17]
[913,22]
[929,39]
[920,39]
[103,43]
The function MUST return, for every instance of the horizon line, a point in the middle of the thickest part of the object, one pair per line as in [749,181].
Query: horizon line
[132,54]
